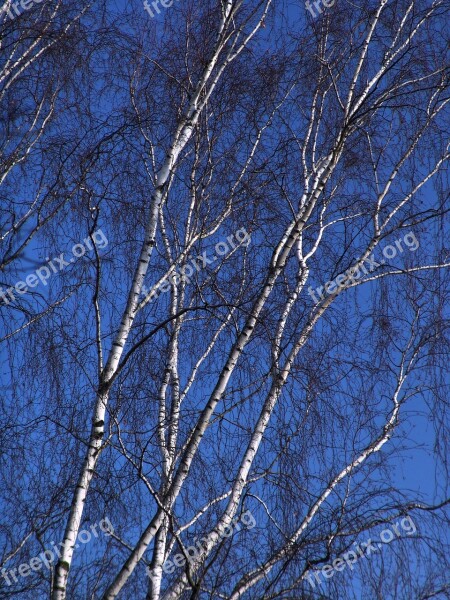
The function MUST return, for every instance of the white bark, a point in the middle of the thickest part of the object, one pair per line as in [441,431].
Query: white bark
[203,91]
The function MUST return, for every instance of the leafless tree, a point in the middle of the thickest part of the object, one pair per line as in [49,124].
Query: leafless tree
[247,364]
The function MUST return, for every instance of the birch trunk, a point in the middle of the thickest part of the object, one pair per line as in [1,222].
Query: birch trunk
[182,136]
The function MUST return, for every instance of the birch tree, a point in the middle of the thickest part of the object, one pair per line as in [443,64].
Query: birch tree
[240,377]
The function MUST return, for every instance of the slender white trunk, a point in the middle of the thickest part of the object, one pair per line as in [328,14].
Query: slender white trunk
[252,578]
[181,138]
[278,262]
[97,430]
[241,477]
[159,554]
